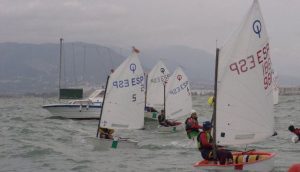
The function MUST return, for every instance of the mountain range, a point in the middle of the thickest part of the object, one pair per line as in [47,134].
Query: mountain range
[34,68]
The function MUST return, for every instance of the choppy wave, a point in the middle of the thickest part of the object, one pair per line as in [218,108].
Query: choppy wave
[33,140]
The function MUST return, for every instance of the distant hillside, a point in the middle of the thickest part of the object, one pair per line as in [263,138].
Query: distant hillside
[34,68]
[197,64]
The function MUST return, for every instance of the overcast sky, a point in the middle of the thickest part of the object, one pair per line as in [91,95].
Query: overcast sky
[151,23]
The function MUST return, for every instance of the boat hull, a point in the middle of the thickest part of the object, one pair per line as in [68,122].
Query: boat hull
[74,111]
[122,143]
[264,163]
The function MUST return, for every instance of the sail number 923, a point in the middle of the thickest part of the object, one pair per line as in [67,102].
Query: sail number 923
[261,58]
[128,82]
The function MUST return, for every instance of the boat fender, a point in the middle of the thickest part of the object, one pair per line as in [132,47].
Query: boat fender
[80,108]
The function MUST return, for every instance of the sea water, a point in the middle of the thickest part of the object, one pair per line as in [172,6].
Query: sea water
[30,140]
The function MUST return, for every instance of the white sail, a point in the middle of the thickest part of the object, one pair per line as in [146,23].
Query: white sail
[124,102]
[244,95]
[155,88]
[275,88]
[178,95]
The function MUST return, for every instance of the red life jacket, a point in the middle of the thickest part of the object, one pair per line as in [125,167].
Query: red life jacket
[297,131]
[192,125]
[204,142]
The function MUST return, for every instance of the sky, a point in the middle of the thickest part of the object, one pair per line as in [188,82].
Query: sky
[151,24]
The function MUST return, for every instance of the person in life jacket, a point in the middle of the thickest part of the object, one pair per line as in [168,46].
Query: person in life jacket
[205,146]
[164,122]
[295,130]
[192,126]
[106,133]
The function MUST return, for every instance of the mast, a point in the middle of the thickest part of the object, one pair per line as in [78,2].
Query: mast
[215,106]
[146,85]
[165,83]
[102,105]
[60,61]
[84,64]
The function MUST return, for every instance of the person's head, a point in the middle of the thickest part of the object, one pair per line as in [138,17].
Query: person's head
[207,125]
[162,112]
[291,128]
[194,114]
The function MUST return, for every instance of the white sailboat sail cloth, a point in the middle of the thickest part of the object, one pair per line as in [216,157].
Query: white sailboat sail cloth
[155,88]
[178,95]
[275,88]
[125,96]
[244,96]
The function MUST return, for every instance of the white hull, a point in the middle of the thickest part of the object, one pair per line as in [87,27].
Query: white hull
[101,143]
[259,165]
[74,111]
[170,129]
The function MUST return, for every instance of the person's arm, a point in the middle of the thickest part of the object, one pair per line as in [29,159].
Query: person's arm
[196,126]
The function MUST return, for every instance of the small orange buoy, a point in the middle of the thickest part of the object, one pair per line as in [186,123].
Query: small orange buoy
[294,168]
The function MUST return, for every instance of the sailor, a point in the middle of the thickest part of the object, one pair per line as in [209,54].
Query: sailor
[205,146]
[163,121]
[106,133]
[295,130]
[192,126]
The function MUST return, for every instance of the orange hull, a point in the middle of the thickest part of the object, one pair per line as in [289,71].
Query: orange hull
[254,160]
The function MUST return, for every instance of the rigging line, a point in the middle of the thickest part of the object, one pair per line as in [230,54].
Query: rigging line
[74,65]
[64,55]
[84,64]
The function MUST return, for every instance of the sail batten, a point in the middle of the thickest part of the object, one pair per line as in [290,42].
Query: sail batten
[244,96]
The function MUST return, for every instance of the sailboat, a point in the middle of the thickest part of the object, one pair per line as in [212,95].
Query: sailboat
[124,101]
[155,90]
[243,111]
[178,100]
[77,108]
[275,87]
